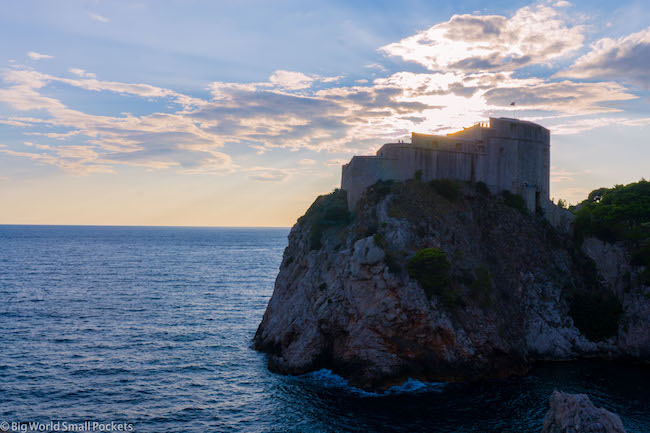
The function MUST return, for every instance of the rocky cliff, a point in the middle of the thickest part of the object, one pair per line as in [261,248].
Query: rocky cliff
[443,281]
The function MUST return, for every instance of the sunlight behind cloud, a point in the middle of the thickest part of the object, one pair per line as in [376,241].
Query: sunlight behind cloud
[534,34]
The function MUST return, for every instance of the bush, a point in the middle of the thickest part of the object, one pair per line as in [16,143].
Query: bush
[381,189]
[446,188]
[482,188]
[418,175]
[595,313]
[393,263]
[430,268]
[329,210]
[515,201]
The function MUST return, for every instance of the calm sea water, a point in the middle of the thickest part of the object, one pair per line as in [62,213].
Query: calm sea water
[152,326]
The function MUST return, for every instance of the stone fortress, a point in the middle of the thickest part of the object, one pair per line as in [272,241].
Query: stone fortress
[505,154]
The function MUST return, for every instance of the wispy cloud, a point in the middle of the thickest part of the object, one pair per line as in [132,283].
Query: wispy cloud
[81,73]
[296,110]
[97,17]
[38,56]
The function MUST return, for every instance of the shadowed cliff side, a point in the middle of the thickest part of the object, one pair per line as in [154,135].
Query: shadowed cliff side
[438,280]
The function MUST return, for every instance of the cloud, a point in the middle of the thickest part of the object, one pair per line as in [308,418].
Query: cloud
[561,175]
[269,174]
[562,4]
[335,162]
[302,111]
[37,56]
[98,17]
[154,141]
[81,73]
[562,97]
[474,43]
[291,80]
[577,126]
[626,58]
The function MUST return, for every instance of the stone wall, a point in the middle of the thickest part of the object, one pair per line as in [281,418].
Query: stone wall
[507,155]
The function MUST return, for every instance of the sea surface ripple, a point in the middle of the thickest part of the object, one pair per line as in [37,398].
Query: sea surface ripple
[153,325]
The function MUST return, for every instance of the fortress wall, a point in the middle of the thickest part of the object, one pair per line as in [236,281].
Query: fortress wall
[400,162]
[364,171]
[508,155]
[501,163]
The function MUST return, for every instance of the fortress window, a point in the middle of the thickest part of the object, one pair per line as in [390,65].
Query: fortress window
[501,151]
[458,146]
[434,143]
[481,148]
[513,127]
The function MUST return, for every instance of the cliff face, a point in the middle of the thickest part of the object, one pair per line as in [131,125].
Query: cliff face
[350,296]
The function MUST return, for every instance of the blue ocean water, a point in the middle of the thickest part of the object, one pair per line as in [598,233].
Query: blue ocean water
[152,326]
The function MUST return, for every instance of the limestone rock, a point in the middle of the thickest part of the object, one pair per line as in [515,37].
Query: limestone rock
[575,413]
[349,305]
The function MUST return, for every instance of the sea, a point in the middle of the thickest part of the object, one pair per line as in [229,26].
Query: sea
[149,329]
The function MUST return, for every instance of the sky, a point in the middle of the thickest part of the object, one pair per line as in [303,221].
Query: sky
[239,113]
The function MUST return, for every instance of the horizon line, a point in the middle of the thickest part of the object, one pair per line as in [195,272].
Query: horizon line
[144,226]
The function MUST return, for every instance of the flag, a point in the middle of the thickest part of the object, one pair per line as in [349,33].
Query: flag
[512,103]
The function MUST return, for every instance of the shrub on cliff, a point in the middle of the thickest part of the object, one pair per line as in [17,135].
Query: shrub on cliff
[446,188]
[481,286]
[595,313]
[430,268]
[328,210]
[616,214]
[482,188]
[515,201]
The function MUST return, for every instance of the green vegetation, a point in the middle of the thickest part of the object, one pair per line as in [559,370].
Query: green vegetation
[381,189]
[482,188]
[393,262]
[614,214]
[430,268]
[561,203]
[329,210]
[418,175]
[515,201]
[595,313]
[446,188]
[482,284]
